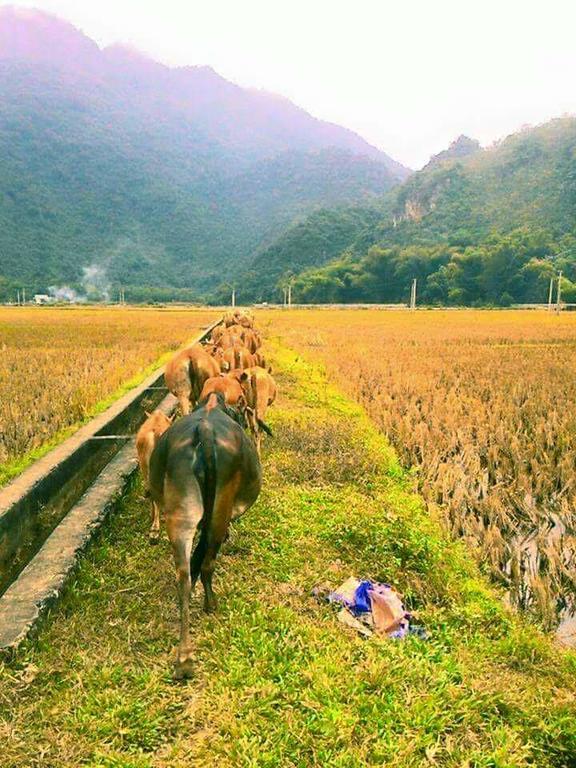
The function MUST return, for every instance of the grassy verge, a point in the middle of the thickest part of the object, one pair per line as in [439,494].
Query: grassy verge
[279,682]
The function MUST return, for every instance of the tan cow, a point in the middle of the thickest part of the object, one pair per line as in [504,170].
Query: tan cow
[186,373]
[260,360]
[241,316]
[235,357]
[217,333]
[148,435]
[227,385]
[229,338]
[260,391]
[251,339]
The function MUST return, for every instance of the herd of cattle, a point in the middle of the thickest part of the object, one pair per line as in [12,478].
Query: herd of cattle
[202,471]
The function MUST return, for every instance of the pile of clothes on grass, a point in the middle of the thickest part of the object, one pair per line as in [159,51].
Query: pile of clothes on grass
[370,607]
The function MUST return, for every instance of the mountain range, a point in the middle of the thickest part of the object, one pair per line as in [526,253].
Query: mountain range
[175,183]
[162,178]
[474,226]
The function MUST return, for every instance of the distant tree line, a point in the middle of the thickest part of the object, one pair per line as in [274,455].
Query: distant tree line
[512,268]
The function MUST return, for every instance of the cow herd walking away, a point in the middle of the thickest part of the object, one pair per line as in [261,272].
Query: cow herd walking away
[203,470]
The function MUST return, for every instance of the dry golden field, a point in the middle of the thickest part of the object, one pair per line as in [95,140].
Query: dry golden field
[56,365]
[483,404]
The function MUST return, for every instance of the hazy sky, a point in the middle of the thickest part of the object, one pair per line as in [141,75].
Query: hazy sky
[409,76]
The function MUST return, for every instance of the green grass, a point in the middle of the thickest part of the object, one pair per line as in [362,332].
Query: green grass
[278,681]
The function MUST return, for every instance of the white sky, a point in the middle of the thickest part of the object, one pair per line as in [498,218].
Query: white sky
[408,76]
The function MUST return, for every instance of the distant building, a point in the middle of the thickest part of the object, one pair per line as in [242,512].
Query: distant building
[43,298]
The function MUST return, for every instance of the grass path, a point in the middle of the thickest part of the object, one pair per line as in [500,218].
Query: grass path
[279,682]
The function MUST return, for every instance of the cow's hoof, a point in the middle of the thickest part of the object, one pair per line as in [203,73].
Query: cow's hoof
[210,607]
[154,537]
[184,667]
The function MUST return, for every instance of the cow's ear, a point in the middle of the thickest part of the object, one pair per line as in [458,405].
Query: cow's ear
[171,418]
[243,376]
[147,413]
[269,369]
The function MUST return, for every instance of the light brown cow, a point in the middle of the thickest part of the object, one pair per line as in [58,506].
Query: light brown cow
[245,318]
[252,339]
[260,391]
[240,316]
[186,373]
[260,360]
[217,333]
[236,357]
[229,338]
[148,435]
[227,385]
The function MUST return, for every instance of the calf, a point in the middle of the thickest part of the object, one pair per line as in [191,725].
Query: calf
[148,435]
[260,391]
[204,472]
[186,373]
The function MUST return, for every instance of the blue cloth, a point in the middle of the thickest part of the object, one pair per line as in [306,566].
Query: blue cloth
[362,598]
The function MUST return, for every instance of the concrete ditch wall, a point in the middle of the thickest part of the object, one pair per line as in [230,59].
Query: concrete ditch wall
[50,512]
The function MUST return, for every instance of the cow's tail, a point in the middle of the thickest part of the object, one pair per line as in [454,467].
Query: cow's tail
[197,379]
[264,426]
[205,447]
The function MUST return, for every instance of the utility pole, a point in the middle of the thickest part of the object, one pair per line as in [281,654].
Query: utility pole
[233,297]
[559,292]
[18,298]
[550,293]
[290,294]
[23,297]
[413,294]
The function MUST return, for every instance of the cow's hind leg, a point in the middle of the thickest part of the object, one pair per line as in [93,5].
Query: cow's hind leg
[184,402]
[206,573]
[154,533]
[182,518]
[217,534]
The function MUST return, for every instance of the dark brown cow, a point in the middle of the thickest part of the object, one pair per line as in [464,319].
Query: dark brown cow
[186,373]
[204,473]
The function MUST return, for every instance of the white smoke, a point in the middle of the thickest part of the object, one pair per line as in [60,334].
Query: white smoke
[67,294]
[95,284]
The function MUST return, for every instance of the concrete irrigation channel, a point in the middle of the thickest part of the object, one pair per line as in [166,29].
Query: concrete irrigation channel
[50,512]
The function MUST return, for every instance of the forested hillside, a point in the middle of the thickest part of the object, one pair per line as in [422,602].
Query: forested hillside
[160,179]
[474,227]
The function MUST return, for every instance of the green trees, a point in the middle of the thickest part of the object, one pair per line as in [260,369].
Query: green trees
[487,227]
[503,270]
